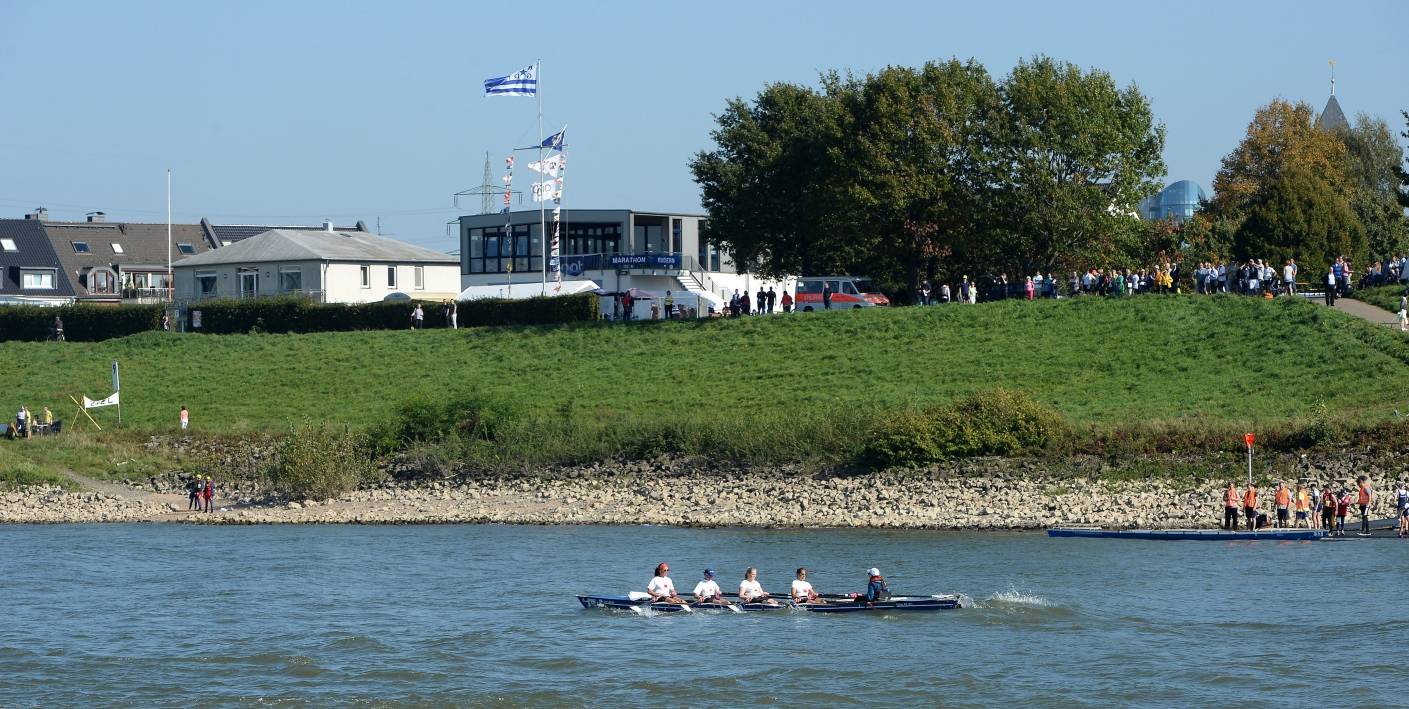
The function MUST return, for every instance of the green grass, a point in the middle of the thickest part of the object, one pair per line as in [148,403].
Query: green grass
[781,387]
[17,471]
[1386,297]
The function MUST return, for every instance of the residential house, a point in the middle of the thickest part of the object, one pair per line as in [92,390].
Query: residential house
[31,271]
[112,262]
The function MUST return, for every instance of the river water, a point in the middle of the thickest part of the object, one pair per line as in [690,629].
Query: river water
[177,615]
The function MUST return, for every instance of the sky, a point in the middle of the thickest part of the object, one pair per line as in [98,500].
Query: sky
[294,111]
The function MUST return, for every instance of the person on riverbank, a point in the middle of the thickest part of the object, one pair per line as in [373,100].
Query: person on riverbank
[876,588]
[707,591]
[661,588]
[1362,500]
[1328,509]
[1231,498]
[1283,499]
[185,418]
[1250,506]
[1342,510]
[1303,507]
[194,488]
[802,591]
[209,494]
[1401,499]
[751,591]
[1315,506]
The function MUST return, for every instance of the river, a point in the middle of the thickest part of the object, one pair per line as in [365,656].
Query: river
[177,615]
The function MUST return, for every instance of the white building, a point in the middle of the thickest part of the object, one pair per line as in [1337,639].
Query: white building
[620,249]
[327,266]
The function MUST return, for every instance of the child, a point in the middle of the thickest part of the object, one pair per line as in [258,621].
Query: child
[1342,509]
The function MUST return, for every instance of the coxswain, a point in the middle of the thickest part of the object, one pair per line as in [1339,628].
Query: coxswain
[1362,500]
[751,591]
[802,589]
[1283,499]
[707,591]
[876,588]
[1231,498]
[1250,506]
[661,588]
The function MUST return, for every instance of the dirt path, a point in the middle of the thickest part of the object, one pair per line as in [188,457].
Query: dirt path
[176,504]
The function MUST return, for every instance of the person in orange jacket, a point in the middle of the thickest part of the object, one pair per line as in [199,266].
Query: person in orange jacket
[1363,501]
[1231,498]
[1283,498]
[1250,506]
[1303,506]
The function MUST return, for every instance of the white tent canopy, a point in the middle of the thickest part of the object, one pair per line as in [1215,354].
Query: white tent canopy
[523,291]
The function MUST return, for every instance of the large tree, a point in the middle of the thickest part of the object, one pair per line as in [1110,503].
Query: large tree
[1073,155]
[1280,136]
[1373,160]
[1294,215]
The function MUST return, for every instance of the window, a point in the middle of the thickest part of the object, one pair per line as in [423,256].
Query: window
[249,281]
[676,235]
[390,276]
[366,276]
[38,279]
[290,279]
[80,247]
[494,251]
[205,284]
[117,248]
[420,278]
[187,249]
[8,245]
[101,281]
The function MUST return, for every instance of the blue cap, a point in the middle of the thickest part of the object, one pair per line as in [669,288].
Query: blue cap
[709,572]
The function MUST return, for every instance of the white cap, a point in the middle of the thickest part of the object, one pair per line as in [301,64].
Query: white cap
[873,571]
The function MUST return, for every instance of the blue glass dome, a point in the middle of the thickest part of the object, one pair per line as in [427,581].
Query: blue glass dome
[1178,201]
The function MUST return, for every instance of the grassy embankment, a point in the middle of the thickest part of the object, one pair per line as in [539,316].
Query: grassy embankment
[1146,371]
[1386,297]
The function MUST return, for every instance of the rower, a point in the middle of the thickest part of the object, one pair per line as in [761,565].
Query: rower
[802,590]
[661,588]
[707,591]
[876,588]
[751,591]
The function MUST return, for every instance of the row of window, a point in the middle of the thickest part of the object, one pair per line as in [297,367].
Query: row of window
[81,247]
[291,279]
[419,278]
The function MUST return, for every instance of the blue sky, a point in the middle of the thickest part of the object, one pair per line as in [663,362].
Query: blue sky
[296,111]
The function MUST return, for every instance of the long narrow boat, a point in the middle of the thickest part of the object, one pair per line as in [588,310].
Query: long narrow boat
[835,604]
[628,603]
[1188,534]
[896,603]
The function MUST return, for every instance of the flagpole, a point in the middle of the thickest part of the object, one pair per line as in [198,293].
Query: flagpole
[542,229]
[170,281]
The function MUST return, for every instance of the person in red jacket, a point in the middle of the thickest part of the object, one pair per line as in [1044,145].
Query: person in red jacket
[209,493]
[1342,509]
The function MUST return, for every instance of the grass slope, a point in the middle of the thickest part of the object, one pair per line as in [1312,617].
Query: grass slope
[1101,362]
[1386,297]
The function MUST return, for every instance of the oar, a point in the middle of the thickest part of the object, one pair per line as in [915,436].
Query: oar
[639,596]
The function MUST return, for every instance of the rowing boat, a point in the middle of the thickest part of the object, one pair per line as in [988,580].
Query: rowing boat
[835,604]
[1187,534]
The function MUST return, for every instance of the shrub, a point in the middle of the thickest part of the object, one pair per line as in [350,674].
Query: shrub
[82,323]
[996,422]
[319,461]
[293,314]
[424,419]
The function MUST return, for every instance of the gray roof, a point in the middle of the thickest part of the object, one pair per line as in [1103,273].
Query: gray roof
[1332,118]
[283,245]
[33,250]
[144,247]
[231,233]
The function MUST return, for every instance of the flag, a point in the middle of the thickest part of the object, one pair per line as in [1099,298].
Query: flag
[523,82]
[555,141]
[547,190]
[550,167]
[91,404]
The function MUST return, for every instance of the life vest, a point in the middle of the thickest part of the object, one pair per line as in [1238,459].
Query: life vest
[1284,497]
[882,590]
[1250,497]
[1230,498]
[1364,498]
[1303,501]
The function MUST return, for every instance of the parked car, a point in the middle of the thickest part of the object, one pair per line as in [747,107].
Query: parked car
[847,292]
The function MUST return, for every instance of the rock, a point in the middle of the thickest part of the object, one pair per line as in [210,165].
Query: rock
[293,506]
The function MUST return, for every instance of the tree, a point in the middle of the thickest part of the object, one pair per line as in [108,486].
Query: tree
[1281,135]
[1373,160]
[1295,216]
[1403,191]
[1073,155]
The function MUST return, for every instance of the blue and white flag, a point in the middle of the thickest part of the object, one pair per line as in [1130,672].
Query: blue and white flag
[555,141]
[523,82]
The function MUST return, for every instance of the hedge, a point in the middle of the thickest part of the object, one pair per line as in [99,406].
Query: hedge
[82,322]
[223,317]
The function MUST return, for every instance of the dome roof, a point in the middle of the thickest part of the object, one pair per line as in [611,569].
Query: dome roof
[1179,200]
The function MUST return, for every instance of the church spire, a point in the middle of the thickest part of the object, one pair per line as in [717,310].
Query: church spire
[1333,76]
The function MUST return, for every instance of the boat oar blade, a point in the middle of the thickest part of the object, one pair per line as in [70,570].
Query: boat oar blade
[638,596]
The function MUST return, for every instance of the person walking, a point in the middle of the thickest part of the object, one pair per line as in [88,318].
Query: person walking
[1231,498]
[1404,313]
[826,295]
[1362,500]
[185,418]
[787,302]
[418,318]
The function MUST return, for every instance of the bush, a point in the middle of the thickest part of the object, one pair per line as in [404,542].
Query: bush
[82,323]
[298,315]
[997,422]
[424,419]
[318,461]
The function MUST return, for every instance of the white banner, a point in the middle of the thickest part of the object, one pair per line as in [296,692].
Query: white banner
[91,404]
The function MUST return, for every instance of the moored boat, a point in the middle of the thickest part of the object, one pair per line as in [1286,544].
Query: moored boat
[1188,534]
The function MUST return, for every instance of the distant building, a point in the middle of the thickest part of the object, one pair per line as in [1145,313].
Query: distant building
[324,265]
[30,271]
[619,249]
[1332,118]
[1178,201]
[112,262]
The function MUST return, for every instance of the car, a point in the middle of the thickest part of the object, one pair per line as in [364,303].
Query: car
[847,292]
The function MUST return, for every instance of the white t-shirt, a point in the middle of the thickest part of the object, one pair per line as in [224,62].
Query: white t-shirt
[750,589]
[801,589]
[706,588]
[661,586]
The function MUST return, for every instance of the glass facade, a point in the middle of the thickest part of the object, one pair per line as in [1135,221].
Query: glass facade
[498,251]
[1178,201]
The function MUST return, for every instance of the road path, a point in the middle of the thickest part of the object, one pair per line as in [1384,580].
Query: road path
[1361,309]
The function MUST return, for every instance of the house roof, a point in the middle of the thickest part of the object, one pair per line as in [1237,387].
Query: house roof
[32,250]
[1332,117]
[281,245]
[232,233]
[144,247]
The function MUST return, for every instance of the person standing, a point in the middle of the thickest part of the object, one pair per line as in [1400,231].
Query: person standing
[826,295]
[762,303]
[418,317]
[964,290]
[1231,498]
[454,315]
[1289,276]
[165,322]
[669,305]
[1362,500]
[744,305]
[925,292]
[1283,499]
[772,298]
[787,302]
[185,418]
[944,294]
[1404,313]
[1315,500]
[445,311]
[58,329]
[1028,288]
[1329,503]
[1331,286]
[627,303]
[1303,506]
[1250,506]
[209,494]
[1401,498]
[194,489]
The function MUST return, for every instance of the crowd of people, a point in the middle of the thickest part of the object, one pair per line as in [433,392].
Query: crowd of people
[763,303]
[201,492]
[707,592]
[27,424]
[1311,507]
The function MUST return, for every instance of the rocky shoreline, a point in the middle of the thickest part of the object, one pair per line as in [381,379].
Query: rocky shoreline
[989,494]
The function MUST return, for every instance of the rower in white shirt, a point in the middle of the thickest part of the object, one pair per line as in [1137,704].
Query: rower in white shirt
[707,591]
[751,591]
[802,590]
[661,588]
